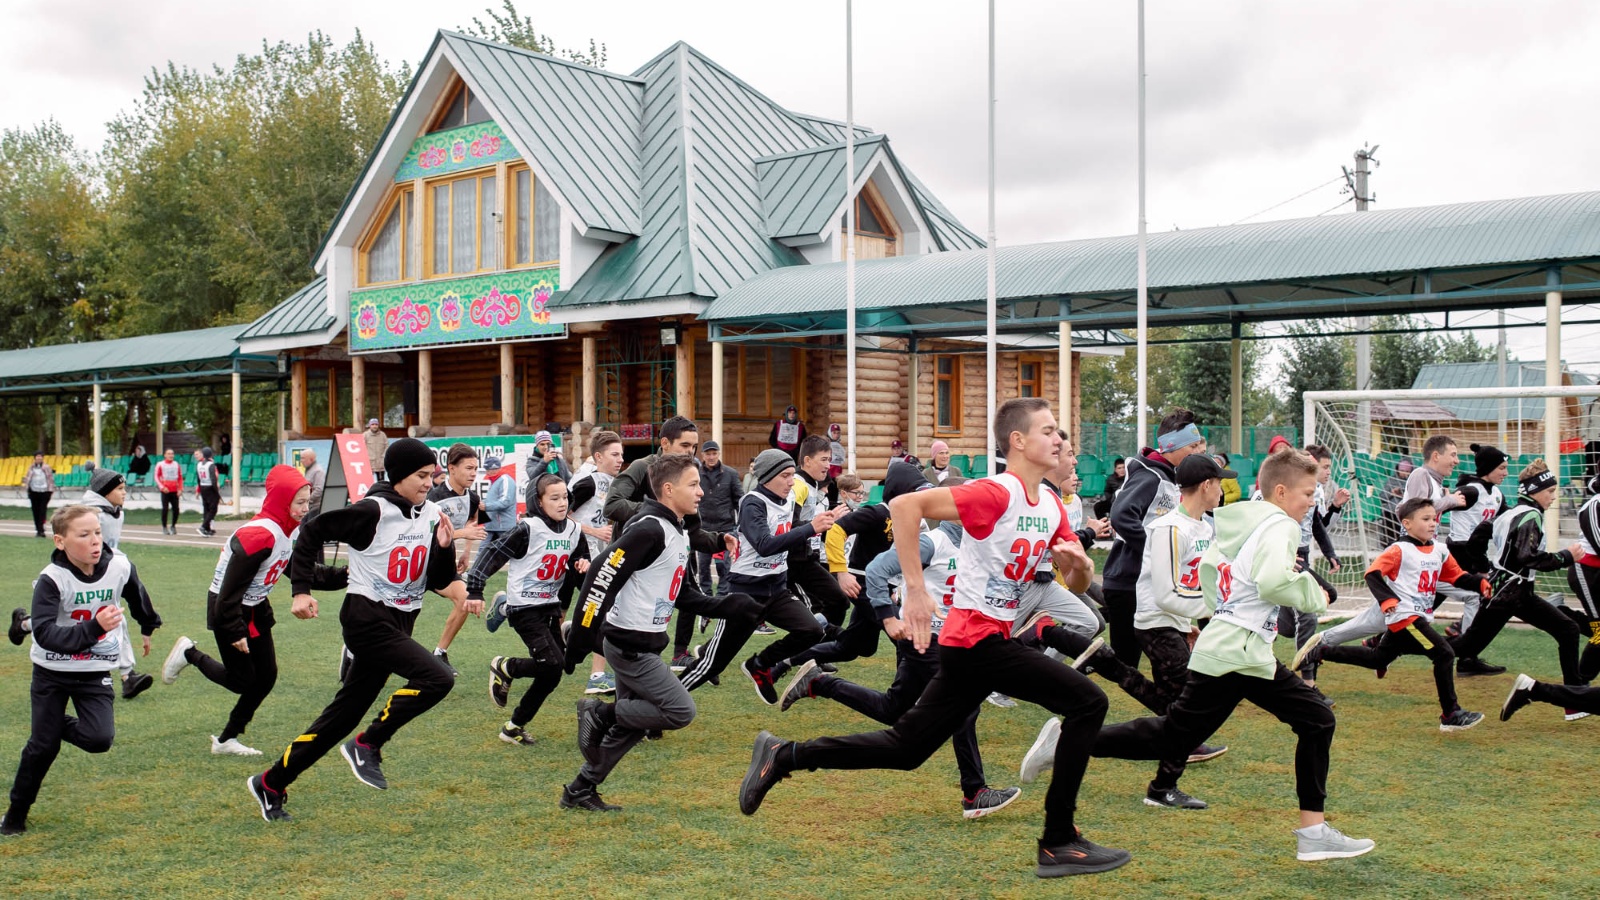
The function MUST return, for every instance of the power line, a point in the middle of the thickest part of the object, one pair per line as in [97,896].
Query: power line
[1335,206]
[1290,200]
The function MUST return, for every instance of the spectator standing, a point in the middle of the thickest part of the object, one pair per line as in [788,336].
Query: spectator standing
[316,476]
[208,485]
[545,454]
[499,500]
[788,432]
[836,454]
[719,512]
[40,481]
[377,443]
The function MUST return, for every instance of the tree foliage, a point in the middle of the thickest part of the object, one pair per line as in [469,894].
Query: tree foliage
[507,26]
[1397,357]
[1314,361]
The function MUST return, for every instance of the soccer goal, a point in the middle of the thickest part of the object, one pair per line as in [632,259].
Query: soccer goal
[1371,433]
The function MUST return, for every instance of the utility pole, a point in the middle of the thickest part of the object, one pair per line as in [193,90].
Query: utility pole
[1356,183]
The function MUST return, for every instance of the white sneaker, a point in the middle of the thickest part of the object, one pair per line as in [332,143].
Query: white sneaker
[231,747]
[1300,655]
[1001,700]
[1327,842]
[176,661]
[1042,755]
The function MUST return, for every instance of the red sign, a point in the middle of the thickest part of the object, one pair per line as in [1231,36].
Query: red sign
[639,432]
[357,469]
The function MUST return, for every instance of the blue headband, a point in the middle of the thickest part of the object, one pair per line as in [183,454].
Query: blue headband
[1177,440]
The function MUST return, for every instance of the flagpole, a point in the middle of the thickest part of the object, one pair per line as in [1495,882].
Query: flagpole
[849,240]
[1144,282]
[989,338]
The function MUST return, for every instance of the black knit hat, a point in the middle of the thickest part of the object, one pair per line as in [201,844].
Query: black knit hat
[1487,458]
[104,480]
[404,457]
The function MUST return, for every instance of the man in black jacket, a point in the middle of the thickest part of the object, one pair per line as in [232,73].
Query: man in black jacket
[719,511]
[1150,492]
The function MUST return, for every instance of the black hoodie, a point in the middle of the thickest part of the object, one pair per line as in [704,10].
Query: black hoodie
[1147,474]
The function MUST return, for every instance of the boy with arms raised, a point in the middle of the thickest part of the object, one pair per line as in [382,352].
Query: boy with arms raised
[1009,525]
[1246,574]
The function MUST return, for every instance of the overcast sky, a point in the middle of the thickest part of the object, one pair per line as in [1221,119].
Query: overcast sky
[1250,103]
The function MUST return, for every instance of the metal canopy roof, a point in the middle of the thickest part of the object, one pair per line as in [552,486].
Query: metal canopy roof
[150,361]
[304,312]
[1499,253]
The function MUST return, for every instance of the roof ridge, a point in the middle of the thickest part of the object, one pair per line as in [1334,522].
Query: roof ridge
[823,148]
[545,57]
[824,119]
[751,88]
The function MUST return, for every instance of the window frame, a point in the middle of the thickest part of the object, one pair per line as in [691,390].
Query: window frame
[1037,381]
[955,378]
[510,224]
[458,90]
[429,187]
[394,199]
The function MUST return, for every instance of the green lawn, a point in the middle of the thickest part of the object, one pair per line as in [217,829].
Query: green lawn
[1500,811]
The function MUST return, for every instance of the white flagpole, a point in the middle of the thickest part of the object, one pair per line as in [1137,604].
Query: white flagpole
[849,241]
[989,338]
[1144,284]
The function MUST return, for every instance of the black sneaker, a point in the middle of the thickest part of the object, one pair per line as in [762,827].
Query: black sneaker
[654,734]
[762,678]
[1205,752]
[1322,698]
[987,801]
[1471,666]
[1172,798]
[589,800]
[800,686]
[444,657]
[135,684]
[499,682]
[1460,720]
[1079,857]
[763,773]
[271,801]
[827,668]
[593,723]
[366,762]
[1521,695]
[514,734]
[15,632]
[13,824]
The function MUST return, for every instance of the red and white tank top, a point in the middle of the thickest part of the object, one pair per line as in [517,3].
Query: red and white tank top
[1003,546]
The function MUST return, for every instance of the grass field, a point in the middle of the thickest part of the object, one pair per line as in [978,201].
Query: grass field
[1499,811]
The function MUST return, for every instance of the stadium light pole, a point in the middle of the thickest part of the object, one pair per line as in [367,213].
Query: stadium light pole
[849,238]
[1143,295]
[989,335]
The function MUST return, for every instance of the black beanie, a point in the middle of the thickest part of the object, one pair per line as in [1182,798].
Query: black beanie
[104,481]
[1487,458]
[404,457]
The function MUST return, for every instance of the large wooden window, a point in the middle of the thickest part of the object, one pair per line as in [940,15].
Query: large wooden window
[757,382]
[947,394]
[535,221]
[463,228]
[386,252]
[1030,378]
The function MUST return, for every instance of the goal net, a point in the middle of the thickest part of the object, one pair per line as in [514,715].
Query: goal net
[1376,437]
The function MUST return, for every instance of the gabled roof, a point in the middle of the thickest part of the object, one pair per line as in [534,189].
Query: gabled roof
[304,312]
[580,125]
[1441,376]
[801,190]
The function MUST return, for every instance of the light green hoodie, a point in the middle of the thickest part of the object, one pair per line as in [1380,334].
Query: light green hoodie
[1224,647]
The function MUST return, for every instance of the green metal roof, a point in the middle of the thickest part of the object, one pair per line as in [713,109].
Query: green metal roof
[801,190]
[152,360]
[1486,253]
[1442,376]
[581,125]
[304,312]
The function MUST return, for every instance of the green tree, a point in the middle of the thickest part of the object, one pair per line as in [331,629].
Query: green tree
[508,26]
[1399,355]
[1313,361]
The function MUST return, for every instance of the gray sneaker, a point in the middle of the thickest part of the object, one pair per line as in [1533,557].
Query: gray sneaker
[1327,842]
[1042,755]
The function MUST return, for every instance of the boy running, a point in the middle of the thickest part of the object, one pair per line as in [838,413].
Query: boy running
[105,495]
[1404,580]
[1245,575]
[76,613]
[1583,577]
[400,548]
[459,503]
[237,609]
[1010,524]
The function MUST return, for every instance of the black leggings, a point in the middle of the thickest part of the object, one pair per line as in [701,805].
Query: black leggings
[1207,701]
[966,676]
[1118,608]
[91,730]
[380,643]
[169,500]
[540,629]
[40,501]
[250,675]
[783,611]
[1585,583]
[1519,599]
[857,639]
[1419,637]
[210,495]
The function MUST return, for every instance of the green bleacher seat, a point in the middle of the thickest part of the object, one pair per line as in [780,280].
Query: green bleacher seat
[1089,464]
[1093,486]
[962,463]
[875,496]
[980,466]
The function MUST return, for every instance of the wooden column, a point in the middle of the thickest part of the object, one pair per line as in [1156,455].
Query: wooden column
[358,391]
[424,390]
[1236,402]
[508,379]
[716,391]
[683,376]
[58,431]
[591,371]
[1064,378]
[913,378]
[95,400]
[236,475]
[297,397]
